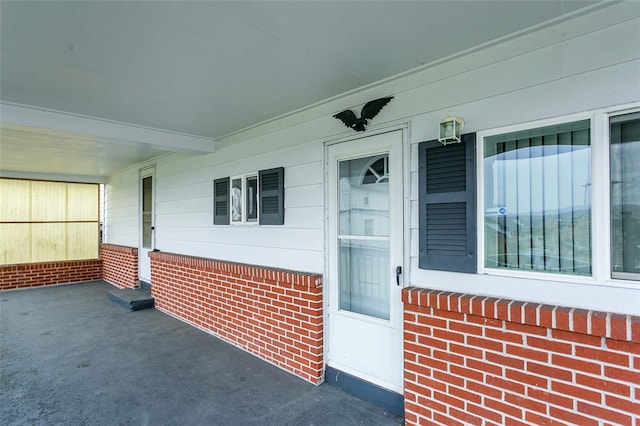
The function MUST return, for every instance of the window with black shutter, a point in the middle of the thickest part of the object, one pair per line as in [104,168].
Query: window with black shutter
[250,198]
[447,205]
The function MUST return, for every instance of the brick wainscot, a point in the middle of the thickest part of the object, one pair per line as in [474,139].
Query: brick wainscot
[49,273]
[477,360]
[274,314]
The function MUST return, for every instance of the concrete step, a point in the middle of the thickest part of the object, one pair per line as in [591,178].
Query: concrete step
[133,299]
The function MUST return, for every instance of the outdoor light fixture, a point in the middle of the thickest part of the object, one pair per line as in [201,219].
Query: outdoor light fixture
[450,128]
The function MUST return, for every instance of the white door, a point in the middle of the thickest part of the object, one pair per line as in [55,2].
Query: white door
[147,223]
[365,259]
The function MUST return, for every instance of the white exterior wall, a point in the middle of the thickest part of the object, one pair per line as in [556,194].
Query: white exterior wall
[184,206]
[121,209]
[588,63]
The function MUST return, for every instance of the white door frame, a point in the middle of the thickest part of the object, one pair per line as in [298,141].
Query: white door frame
[144,263]
[330,233]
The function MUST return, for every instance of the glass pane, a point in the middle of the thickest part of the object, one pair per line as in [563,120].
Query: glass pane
[147,194]
[252,199]
[364,277]
[538,200]
[147,211]
[625,195]
[364,196]
[236,200]
[146,230]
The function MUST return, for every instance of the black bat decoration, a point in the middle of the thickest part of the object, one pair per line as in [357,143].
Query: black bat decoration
[369,110]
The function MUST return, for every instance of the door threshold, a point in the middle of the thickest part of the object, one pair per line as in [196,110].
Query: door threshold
[384,398]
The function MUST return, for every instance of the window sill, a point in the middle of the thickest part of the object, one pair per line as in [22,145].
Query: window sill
[565,278]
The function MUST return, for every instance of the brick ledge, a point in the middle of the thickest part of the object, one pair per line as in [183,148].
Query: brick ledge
[116,247]
[50,264]
[594,323]
[305,279]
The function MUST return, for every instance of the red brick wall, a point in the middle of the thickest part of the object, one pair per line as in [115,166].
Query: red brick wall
[477,360]
[274,314]
[49,273]
[120,265]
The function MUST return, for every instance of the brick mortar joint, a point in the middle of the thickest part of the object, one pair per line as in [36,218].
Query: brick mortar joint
[312,281]
[503,310]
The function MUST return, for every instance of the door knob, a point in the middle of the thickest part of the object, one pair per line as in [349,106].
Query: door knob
[398,273]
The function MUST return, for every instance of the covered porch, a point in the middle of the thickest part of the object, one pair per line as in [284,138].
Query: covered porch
[71,356]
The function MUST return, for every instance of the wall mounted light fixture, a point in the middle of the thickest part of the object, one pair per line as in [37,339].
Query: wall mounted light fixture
[450,128]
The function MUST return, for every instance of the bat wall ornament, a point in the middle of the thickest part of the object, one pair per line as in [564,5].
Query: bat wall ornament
[369,110]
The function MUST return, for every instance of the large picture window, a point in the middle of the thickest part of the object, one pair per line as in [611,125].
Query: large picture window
[625,196]
[537,200]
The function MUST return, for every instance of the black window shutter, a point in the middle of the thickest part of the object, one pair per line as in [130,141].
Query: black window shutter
[221,201]
[271,193]
[447,205]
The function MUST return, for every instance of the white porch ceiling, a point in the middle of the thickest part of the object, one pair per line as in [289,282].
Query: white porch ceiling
[88,87]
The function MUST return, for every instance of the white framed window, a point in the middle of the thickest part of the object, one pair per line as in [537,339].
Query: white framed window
[537,199]
[561,198]
[624,160]
[244,199]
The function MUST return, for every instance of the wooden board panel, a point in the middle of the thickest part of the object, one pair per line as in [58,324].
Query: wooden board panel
[82,241]
[48,201]
[48,242]
[16,200]
[15,243]
[82,202]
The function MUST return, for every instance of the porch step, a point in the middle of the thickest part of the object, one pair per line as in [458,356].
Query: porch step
[134,299]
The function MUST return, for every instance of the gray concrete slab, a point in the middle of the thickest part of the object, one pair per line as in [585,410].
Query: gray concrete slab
[133,299]
[70,356]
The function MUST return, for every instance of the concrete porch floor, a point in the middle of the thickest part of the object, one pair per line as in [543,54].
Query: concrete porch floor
[68,355]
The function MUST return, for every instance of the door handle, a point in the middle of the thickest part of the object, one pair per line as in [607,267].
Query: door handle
[398,273]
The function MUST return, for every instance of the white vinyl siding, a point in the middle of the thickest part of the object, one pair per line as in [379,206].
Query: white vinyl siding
[588,63]
[184,209]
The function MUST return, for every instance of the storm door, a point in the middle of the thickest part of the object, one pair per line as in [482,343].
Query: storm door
[365,253]
[147,224]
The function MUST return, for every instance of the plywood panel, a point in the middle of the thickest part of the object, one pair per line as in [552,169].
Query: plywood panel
[48,201]
[16,201]
[39,201]
[82,241]
[15,243]
[82,202]
[48,242]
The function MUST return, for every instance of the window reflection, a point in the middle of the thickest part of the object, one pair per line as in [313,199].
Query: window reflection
[364,235]
[364,196]
[538,200]
[625,196]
